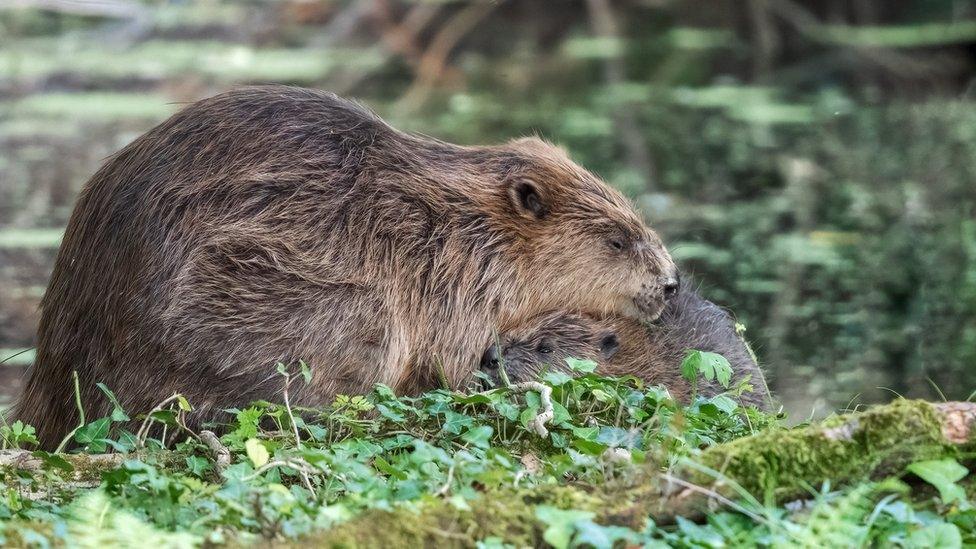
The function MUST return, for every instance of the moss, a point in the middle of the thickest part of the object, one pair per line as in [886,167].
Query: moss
[508,514]
[875,443]
[22,533]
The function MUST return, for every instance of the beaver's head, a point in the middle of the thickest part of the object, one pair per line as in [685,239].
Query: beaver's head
[544,342]
[578,242]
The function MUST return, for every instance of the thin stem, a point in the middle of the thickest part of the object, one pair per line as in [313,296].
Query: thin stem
[143,431]
[81,414]
[294,426]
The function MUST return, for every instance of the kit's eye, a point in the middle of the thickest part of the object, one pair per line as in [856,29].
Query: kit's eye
[609,344]
[617,244]
[544,347]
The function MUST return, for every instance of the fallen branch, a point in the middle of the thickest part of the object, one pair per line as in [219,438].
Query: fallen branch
[874,444]
[114,9]
[26,460]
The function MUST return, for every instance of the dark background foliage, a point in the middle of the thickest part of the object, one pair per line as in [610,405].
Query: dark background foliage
[810,163]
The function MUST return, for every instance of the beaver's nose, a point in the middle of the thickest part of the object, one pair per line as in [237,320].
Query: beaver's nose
[491,359]
[671,285]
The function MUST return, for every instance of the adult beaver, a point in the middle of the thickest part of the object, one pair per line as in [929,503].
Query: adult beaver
[277,224]
[623,346]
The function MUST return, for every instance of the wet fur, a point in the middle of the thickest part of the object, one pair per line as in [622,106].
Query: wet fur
[623,346]
[278,224]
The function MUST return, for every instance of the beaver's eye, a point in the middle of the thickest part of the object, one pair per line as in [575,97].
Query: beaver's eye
[618,244]
[544,348]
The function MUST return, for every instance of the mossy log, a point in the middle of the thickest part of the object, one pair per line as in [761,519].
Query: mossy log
[82,466]
[782,465]
[774,466]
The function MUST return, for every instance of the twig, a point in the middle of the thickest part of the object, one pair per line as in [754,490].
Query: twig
[302,467]
[447,485]
[221,452]
[143,431]
[431,65]
[538,423]
[714,495]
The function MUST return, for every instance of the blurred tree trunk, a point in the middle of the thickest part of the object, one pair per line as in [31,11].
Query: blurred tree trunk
[802,193]
[604,25]
[765,39]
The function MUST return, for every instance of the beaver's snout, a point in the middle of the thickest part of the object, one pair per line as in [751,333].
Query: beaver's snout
[655,294]
[671,284]
[492,359]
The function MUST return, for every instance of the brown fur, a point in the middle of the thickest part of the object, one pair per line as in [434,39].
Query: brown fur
[281,224]
[623,346]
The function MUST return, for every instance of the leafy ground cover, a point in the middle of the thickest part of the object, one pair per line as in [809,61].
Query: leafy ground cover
[581,461]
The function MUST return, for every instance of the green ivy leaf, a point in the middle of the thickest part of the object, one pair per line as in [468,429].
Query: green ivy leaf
[392,415]
[942,535]
[586,433]
[560,524]
[256,452]
[591,534]
[560,415]
[724,403]
[507,410]
[184,404]
[454,422]
[559,440]
[55,461]
[556,378]
[318,433]
[479,436]
[584,366]
[306,371]
[118,413]
[197,465]
[528,415]
[589,447]
[943,474]
[476,398]
[92,435]
[384,467]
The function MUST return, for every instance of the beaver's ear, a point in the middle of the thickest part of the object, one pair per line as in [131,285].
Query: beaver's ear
[527,199]
[609,345]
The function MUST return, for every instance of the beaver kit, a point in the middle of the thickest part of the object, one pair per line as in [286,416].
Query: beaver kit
[622,346]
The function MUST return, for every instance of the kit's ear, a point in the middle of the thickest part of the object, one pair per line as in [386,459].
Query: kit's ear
[609,345]
[527,199]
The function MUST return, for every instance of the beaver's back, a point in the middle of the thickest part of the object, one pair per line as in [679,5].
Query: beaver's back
[241,163]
